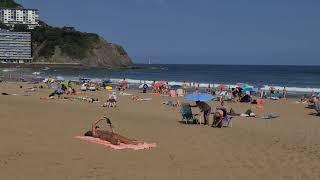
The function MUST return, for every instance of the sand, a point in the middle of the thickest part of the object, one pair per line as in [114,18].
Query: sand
[37,141]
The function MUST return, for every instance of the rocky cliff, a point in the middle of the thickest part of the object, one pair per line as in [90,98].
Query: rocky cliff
[100,54]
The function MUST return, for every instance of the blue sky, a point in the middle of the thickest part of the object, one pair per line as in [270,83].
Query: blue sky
[197,31]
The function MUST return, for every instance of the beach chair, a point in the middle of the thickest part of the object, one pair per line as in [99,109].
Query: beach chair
[187,114]
[226,122]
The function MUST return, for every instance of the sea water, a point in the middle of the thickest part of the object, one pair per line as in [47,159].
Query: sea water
[294,78]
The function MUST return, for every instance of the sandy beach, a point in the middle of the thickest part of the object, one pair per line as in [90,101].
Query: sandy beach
[37,141]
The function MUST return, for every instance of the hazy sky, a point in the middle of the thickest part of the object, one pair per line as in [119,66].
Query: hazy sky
[198,31]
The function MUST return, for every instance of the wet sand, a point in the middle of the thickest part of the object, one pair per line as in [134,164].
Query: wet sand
[37,141]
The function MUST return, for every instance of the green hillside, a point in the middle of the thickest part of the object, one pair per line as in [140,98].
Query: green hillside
[9,4]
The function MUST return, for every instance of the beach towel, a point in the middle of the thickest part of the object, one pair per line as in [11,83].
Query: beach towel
[261,101]
[259,107]
[117,147]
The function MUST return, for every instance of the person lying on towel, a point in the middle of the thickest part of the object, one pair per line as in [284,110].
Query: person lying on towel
[111,137]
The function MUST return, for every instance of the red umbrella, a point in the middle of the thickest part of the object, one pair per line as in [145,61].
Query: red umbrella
[159,83]
[221,86]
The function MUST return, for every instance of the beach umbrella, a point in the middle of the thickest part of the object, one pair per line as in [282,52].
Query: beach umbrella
[239,84]
[175,87]
[221,86]
[245,86]
[65,82]
[60,78]
[159,83]
[199,97]
[248,89]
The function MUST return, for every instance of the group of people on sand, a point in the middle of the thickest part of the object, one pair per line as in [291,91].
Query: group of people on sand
[219,115]
[161,88]
[63,89]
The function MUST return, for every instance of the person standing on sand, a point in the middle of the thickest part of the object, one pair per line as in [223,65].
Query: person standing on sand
[284,93]
[272,90]
[205,108]
[184,87]
[111,137]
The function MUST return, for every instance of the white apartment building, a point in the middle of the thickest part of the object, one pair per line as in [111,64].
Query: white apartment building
[29,17]
[15,47]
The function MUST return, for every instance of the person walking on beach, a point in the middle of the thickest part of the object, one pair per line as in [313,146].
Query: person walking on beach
[205,109]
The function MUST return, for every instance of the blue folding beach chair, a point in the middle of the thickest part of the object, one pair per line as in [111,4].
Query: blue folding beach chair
[187,114]
[226,122]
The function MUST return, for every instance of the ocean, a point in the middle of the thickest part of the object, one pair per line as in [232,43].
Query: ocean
[294,78]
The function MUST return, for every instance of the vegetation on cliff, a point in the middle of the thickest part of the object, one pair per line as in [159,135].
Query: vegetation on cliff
[9,4]
[72,43]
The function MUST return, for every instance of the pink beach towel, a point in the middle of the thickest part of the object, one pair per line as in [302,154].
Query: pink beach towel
[259,107]
[261,101]
[117,147]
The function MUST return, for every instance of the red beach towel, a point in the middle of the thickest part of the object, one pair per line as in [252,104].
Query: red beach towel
[117,147]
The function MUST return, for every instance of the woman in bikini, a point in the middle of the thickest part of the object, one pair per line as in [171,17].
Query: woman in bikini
[105,135]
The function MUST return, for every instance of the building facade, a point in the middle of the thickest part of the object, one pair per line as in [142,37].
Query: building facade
[15,47]
[29,17]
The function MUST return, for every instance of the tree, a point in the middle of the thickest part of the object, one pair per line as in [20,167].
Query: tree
[20,28]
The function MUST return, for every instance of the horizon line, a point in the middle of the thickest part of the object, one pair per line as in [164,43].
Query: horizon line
[230,64]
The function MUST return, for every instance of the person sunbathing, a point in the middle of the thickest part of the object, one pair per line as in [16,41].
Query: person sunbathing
[111,101]
[135,97]
[105,135]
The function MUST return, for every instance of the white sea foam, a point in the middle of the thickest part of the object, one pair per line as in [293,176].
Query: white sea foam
[204,85]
